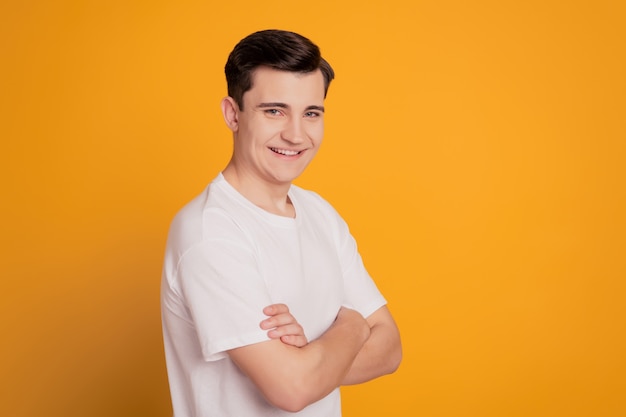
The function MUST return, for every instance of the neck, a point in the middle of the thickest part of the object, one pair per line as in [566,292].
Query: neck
[271,197]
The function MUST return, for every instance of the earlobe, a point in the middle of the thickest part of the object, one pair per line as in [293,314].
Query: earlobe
[230,111]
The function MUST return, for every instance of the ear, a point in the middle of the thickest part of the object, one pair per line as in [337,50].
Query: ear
[230,111]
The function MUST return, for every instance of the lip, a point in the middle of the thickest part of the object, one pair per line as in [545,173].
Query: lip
[289,153]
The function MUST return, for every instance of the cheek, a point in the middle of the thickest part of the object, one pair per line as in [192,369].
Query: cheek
[261,132]
[316,131]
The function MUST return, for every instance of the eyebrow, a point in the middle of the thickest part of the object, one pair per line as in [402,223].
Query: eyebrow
[286,106]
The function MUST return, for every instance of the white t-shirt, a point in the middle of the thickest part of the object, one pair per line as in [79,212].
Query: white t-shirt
[227,259]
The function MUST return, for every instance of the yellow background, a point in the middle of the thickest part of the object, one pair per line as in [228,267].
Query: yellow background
[475,148]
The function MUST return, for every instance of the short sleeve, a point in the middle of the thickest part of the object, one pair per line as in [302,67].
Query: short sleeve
[361,292]
[225,295]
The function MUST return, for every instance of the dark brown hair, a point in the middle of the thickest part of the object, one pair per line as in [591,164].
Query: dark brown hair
[277,49]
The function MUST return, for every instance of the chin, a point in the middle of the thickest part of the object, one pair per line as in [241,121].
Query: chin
[287,178]
[284,176]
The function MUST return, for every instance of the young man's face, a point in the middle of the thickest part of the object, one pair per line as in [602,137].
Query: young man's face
[281,127]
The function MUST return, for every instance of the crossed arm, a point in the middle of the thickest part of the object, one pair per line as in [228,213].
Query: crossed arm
[292,373]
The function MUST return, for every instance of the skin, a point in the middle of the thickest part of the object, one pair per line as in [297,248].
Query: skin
[291,378]
[275,138]
[284,112]
[380,354]
[282,325]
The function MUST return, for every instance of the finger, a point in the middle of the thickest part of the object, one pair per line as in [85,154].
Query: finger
[274,309]
[291,329]
[297,341]
[278,320]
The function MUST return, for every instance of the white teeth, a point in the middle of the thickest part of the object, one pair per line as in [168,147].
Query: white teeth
[285,152]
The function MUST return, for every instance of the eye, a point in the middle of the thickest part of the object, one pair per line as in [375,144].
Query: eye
[312,114]
[272,112]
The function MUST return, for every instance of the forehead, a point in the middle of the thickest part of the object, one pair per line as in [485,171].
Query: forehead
[284,86]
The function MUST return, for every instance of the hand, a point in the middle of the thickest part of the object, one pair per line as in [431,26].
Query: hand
[284,326]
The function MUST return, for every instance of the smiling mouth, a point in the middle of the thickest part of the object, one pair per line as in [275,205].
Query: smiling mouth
[285,152]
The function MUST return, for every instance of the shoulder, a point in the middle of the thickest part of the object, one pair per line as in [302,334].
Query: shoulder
[208,216]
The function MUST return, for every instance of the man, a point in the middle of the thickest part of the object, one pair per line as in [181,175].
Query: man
[267,307]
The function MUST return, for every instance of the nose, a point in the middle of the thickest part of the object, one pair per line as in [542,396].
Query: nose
[293,130]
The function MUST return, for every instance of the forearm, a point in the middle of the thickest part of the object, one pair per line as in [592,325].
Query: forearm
[331,356]
[292,378]
[380,355]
